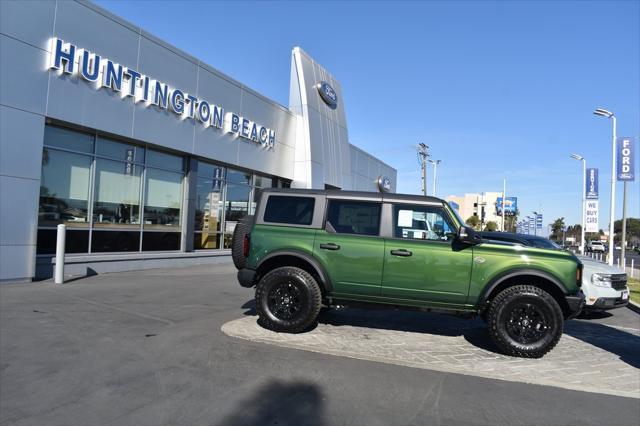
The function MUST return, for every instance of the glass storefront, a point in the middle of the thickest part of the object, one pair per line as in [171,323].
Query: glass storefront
[120,197]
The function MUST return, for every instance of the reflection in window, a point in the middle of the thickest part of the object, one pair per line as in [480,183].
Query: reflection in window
[117,194]
[423,223]
[163,198]
[354,217]
[208,213]
[64,188]
[237,176]
[68,139]
[164,161]
[236,207]
[120,151]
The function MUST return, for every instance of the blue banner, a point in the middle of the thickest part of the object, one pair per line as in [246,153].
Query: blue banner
[591,184]
[539,221]
[625,165]
[510,206]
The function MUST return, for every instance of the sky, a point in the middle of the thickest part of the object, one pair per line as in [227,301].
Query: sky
[498,90]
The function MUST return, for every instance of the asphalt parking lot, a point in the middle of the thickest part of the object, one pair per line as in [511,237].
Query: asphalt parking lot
[147,347]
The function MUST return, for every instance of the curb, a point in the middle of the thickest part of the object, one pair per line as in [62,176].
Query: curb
[634,307]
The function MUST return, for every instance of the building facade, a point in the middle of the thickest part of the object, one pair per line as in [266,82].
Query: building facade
[482,205]
[148,155]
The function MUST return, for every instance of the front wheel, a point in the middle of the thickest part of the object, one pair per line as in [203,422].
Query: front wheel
[525,321]
[288,299]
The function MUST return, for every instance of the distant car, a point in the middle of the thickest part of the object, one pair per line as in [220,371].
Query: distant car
[604,286]
[596,247]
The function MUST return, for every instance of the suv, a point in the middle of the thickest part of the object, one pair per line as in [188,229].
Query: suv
[596,246]
[308,248]
[604,286]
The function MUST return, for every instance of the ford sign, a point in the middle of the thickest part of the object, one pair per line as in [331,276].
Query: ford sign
[327,94]
[384,184]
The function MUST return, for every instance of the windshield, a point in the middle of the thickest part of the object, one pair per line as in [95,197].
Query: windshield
[456,214]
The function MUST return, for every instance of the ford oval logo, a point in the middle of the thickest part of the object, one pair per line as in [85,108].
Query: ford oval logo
[384,184]
[327,94]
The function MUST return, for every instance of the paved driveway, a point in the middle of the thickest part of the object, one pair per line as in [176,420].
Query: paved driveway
[146,348]
[589,357]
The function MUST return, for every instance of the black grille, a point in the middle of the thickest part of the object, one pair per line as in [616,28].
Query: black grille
[619,281]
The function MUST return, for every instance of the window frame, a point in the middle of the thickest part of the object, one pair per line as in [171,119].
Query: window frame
[381,220]
[313,209]
[393,220]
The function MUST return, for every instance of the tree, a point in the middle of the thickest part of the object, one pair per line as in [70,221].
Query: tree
[556,229]
[473,221]
[491,226]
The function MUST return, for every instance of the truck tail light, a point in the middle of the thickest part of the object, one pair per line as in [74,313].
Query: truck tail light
[246,245]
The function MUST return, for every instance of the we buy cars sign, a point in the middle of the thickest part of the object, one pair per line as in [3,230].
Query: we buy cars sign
[592,216]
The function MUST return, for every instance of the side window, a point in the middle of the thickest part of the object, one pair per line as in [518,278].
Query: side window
[422,223]
[289,210]
[354,217]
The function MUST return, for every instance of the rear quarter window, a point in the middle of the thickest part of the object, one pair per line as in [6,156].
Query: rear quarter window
[289,210]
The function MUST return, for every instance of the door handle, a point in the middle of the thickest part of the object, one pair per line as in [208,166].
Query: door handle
[401,252]
[330,246]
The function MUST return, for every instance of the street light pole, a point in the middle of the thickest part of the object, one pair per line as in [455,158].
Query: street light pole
[435,174]
[604,113]
[584,197]
[504,201]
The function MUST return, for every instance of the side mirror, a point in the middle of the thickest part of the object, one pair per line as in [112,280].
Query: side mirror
[467,235]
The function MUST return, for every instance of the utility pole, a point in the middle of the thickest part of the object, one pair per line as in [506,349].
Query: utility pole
[423,156]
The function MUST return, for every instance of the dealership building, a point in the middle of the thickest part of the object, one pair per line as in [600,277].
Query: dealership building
[147,155]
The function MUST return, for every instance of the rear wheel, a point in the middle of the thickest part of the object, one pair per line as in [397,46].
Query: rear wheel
[288,299]
[525,321]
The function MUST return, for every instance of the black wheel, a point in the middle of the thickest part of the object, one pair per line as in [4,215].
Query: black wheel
[288,300]
[237,243]
[525,321]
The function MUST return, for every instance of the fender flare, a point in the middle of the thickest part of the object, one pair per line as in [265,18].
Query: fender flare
[319,269]
[500,278]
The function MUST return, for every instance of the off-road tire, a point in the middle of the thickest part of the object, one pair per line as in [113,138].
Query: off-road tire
[309,298]
[237,253]
[501,309]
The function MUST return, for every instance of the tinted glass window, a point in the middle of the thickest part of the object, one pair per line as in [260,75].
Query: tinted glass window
[164,161]
[291,210]
[120,151]
[237,176]
[68,139]
[423,223]
[354,217]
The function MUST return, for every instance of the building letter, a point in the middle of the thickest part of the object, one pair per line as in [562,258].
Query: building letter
[145,88]
[245,128]
[254,133]
[272,138]
[113,76]
[133,80]
[177,102]
[90,69]
[204,111]
[235,123]
[60,55]
[160,94]
[192,104]
[217,118]
[263,135]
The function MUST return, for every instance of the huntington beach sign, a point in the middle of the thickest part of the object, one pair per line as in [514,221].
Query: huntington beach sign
[68,59]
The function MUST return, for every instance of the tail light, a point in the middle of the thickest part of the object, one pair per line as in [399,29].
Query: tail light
[246,245]
[579,275]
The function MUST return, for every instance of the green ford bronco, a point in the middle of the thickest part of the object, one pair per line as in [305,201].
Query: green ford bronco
[308,249]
